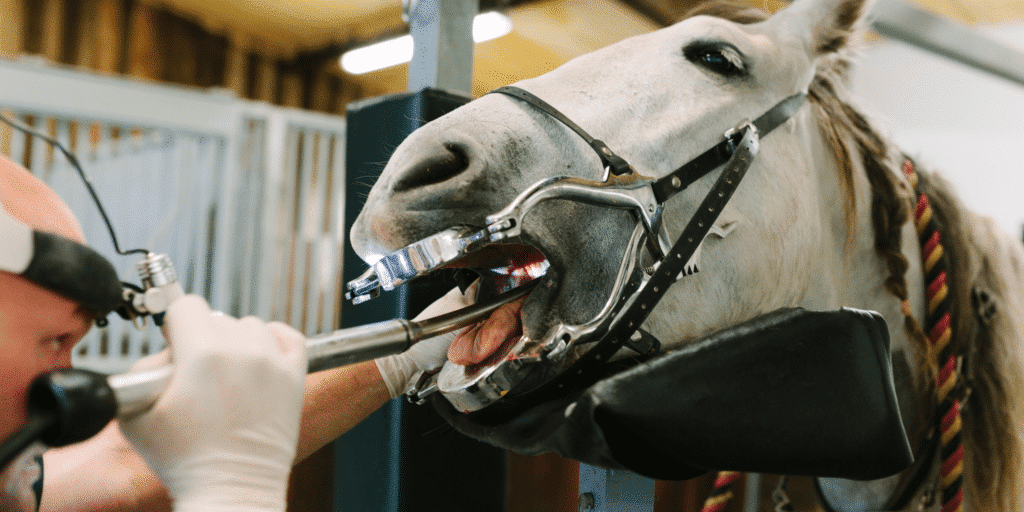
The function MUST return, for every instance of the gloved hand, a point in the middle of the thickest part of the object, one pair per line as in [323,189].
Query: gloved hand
[222,435]
[399,369]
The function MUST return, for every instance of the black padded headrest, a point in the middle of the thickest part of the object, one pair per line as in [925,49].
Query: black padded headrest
[791,392]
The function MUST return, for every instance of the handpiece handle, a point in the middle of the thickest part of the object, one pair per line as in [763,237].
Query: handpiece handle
[358,344]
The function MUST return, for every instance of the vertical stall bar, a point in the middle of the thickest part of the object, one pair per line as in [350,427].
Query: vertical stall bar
[300,243]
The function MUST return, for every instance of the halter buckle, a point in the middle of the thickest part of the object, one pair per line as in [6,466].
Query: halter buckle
[734,135]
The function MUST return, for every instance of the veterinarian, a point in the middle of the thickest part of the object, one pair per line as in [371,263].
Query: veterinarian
[225,433]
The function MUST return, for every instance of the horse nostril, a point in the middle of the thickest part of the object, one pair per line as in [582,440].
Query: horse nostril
[435,168]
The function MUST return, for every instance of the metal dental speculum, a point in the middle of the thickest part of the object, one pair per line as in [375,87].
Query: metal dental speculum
[472,391]
[650,263]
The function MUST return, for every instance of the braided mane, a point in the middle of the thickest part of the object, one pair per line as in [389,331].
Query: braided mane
[992,415]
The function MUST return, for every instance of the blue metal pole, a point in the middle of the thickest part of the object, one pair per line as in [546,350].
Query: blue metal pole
[614,490]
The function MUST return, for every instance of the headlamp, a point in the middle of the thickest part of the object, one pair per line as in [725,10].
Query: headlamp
[60,265]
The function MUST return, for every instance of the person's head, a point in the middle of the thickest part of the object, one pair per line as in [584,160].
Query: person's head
[38,327]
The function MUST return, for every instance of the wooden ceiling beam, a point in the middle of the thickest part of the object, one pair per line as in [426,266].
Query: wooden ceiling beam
[659,11]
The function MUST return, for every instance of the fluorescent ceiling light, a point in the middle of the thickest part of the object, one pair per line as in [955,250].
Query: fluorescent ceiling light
[378,55]
[392,52]
[490,25]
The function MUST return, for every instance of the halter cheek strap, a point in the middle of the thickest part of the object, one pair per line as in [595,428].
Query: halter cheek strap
[719,154]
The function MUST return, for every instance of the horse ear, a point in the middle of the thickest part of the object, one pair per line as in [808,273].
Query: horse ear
[827,25]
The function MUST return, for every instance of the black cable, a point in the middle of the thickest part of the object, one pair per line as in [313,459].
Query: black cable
[22,438]
[81,172]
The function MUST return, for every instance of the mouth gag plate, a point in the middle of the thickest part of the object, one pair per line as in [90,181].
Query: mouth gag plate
[481,387]
[415,260]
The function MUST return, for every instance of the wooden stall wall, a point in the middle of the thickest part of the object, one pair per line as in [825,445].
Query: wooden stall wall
[550,483]
[143,40]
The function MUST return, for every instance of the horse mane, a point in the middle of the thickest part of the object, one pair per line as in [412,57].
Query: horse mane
[992,444]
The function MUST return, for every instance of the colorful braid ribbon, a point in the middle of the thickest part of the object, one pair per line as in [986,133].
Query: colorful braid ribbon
[938,326]
[720,493]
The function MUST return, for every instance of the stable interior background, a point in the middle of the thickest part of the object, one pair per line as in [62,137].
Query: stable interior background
[286,53]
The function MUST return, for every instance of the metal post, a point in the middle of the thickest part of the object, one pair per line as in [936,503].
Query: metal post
[752,491]
[612,490]
[442,33]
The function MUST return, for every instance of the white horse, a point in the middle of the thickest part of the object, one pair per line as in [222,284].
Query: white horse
[823,219]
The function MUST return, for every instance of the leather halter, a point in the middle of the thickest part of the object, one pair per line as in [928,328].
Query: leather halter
[737,151]
[686,174]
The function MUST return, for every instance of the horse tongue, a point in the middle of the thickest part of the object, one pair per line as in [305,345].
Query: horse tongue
[477,343]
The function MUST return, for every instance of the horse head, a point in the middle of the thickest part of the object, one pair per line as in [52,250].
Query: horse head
[657,100]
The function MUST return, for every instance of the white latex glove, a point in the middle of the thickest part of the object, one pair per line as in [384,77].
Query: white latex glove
[222,436]
[399,369]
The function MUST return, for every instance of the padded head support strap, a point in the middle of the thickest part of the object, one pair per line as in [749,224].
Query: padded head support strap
[59,264]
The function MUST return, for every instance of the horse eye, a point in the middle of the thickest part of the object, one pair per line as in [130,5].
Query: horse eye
[715,60]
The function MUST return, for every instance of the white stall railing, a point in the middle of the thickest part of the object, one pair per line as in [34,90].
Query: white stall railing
[246,198]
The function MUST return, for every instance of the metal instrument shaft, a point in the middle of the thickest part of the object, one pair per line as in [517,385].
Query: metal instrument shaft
[137,391]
